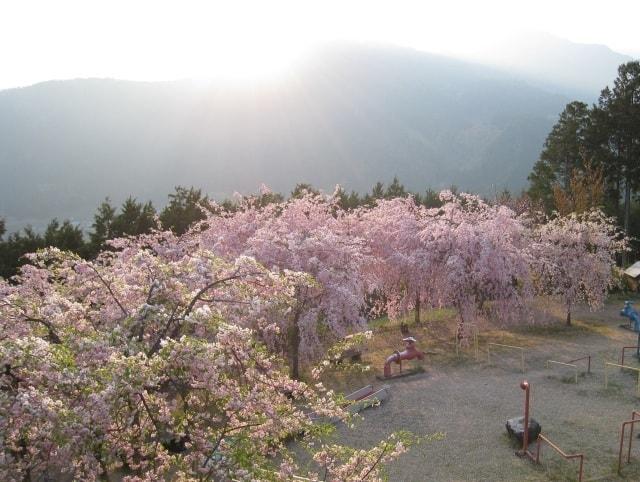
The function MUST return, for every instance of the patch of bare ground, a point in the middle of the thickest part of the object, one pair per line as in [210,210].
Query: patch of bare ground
[469,399]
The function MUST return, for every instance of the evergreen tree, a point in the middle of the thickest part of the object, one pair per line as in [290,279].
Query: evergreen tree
[228,206]
[395,189]
[134,218]
[184,209]
[564,151]
[621,106]
[302,188]
[147,219]
[65,236]
[377,192]
[102,227]
[15,247]
[431,199]
[348,201]
[602,154]
[270,197]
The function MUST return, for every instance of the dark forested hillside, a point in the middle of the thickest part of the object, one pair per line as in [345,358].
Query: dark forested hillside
[349,115]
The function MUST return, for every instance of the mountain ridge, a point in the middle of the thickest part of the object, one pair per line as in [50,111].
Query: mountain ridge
[349,115]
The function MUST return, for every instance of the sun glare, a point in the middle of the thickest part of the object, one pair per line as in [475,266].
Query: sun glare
[249,63]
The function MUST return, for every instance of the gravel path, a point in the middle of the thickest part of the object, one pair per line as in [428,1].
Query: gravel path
[470,401]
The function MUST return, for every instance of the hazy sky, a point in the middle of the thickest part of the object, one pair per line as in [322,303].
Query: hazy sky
[159,40]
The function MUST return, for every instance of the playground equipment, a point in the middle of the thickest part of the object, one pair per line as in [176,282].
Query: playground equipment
[409,353]
[367,397]
[622,367]
[571,363]
[625,348]
[631,423]
[519,426]
[634,317]
[498,345]
[542,438]
[535,428]
[360,394]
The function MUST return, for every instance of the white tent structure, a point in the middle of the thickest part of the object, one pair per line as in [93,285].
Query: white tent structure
[634,270]
[633,275]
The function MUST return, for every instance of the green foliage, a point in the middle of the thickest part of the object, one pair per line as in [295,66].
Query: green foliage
[301,189]
[13,249]
[102,226]
[431,199]
[605,136]
[184,208]
[134,218]
[377,192]
[349,201]
[564,151]
[395,189]
[65,236]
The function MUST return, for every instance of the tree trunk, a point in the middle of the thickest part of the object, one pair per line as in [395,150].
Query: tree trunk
[417,310]
[627,210]
[568,316]
[294,346]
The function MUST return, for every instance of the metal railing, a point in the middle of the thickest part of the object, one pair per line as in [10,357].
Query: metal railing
[542,438]
[571,363]
[631,422]
[575,367]
[606,375]
[588,358]
[489,345]
[625,348]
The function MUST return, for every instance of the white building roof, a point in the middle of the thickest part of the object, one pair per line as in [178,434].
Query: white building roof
[633,270]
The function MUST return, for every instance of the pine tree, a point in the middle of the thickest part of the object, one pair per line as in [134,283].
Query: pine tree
[301,189]
[431,199]
[134,218]
[564,151]
[15,247]
[377,192]
[65,236]
[102,227]
[395,189]
[184,209]
[622,104]
[147,219]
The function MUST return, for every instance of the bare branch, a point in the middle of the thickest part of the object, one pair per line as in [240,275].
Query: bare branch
[108,286]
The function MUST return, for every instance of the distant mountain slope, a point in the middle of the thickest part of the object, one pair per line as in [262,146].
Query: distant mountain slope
[580,70]
[349,115]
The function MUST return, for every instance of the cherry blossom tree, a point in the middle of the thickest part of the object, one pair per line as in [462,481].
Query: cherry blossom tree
[574,258]
[486,263]
[310,234]
[405,266]
[164,357]
[466,253]
[147,364]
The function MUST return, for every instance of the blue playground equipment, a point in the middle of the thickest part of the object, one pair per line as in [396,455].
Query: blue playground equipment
[630,312]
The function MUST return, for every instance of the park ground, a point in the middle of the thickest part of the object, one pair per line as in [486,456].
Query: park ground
[469,399]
